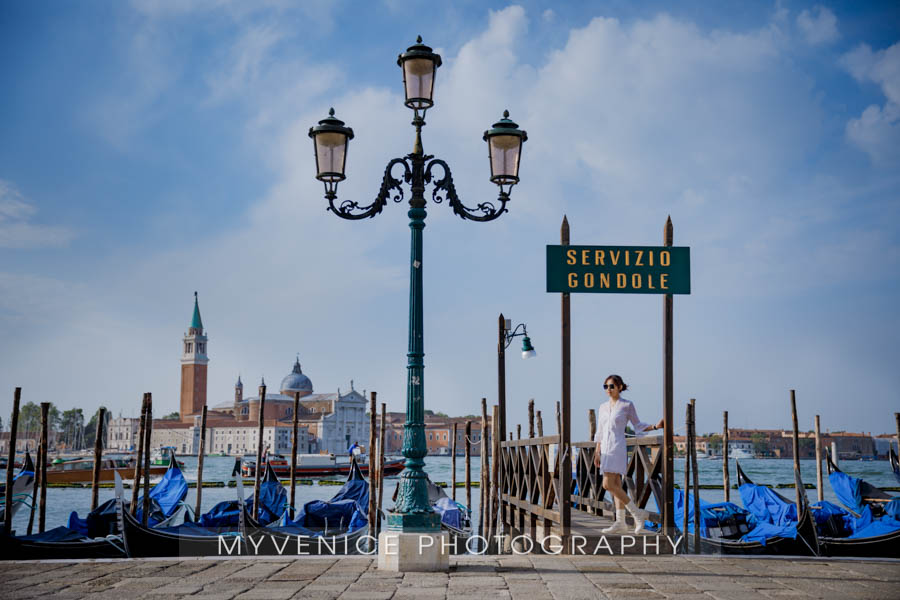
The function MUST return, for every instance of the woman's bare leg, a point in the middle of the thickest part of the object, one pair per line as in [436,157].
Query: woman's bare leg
[612,483]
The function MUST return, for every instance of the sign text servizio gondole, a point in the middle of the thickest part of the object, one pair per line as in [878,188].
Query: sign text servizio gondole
[619,269]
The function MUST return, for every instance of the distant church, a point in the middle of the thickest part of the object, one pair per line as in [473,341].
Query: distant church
[326,422]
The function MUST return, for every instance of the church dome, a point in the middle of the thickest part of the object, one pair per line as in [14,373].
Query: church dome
[296,381]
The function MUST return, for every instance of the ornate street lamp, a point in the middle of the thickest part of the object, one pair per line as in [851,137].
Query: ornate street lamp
[417,169]
[506,335]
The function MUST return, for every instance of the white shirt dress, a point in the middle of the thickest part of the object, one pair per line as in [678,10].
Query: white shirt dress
[611,421]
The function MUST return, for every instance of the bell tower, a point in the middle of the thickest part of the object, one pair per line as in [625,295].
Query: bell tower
[238,398]
[193,368]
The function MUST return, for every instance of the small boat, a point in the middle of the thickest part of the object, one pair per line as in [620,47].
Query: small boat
[895,464]
[166,506]
[777,527]
[870,527]
[80,470]
[317,465]
[161,456]
[455,517]
[188,539]
[330,527]
[739,454]
[22,483]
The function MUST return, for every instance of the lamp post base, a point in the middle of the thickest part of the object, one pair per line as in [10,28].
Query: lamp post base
[414,552]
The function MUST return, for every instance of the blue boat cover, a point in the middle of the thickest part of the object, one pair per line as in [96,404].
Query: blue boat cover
[892,509]
[712,514]
[345,512]
[774,517]
[57,534]
[847,489]
[832,520]
[272,500]
[451,514]
[188,528]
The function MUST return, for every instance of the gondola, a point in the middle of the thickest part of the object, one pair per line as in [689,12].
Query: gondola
[166,506]
[895,464]
[22,482]
[455,517]
[871,525]
[189,539]
[321,527]
[804,544]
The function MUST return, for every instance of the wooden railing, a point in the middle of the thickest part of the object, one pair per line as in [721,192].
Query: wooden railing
[529,484]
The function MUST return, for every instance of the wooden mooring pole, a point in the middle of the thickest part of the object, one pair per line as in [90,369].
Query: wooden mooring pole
[687,474]
[501,373]
[796,445]
[259,448]
[565,440]
[139,458]
[148,436]
[373,466]
[696,476]
[201,452]
[42,501]
[295,433]
[453,461]
[531,418]
[495,473]
[381,453]
[98,456]
[11,459]
[668,449]
[820,492]
[485,470]
[726,476]
[469,465]
[540,424]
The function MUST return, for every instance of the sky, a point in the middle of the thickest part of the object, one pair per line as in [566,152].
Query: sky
[151,149]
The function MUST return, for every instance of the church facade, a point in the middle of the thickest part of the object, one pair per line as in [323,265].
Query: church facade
[327,423]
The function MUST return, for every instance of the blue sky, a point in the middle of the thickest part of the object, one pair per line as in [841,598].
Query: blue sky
[150,149]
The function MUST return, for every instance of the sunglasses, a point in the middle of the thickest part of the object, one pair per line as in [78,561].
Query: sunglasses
[611,386]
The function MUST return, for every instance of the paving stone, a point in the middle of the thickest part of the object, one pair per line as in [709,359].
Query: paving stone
[423,593]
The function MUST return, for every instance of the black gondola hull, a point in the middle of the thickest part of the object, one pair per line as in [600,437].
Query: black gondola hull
[12,548]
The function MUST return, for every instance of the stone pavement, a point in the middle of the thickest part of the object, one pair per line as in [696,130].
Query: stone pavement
[525,577]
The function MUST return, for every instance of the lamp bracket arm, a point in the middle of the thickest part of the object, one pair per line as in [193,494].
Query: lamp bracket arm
[444,188]
[511,335]
[349,209]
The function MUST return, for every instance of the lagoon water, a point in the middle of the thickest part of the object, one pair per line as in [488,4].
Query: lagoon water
[62,501]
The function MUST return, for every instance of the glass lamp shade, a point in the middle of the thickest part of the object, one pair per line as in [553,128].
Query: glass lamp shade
[419,66]
[527,349]
[505,148]
[330,139]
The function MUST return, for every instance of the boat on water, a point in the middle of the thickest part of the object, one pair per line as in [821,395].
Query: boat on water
[739,454]
[868,526]
[333,526]
[895,464]
[317,465]
[80,470]
[99,534]
[22,484]
[161,456]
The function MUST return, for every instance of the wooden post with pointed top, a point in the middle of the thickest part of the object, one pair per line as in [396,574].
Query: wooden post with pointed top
[42,501]
[495,472]
[668,399]
[531,418]
[687,475]
[373,480]
[469,465]
[565,439]
[11,459]
[453,462]
[696,476]
[518,431]
[501,373]
[726,475]
[540,424]
[381,454]
[98,456]
[139,457]
[148,436]
[820,492]
[201,452]
[259,449]
[485,469]
[796,445]
[294,434]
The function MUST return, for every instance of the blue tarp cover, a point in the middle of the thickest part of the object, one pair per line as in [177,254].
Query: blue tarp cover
[892,509]
[712,514]
[451,515]
[774,517]
[57,534]
[272,499]
[846,488]
[189,528]
[346,511]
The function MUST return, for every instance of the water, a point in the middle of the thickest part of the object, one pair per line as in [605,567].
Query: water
[62,501]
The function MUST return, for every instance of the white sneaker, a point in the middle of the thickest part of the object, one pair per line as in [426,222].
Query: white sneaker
[616,527]
[640,516]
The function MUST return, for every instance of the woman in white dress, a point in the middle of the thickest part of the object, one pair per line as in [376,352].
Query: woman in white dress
[611,451]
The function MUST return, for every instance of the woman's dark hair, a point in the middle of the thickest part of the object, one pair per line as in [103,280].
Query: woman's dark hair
[618,381]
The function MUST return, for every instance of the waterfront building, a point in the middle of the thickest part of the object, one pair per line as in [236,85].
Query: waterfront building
[122,434]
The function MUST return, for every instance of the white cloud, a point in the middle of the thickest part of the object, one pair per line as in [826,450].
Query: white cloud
[16,228]
[819,28]
[877,129]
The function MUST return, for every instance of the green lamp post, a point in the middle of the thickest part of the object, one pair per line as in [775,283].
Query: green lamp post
[412,512]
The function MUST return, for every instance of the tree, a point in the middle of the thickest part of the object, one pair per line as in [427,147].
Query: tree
[72,428]
[90,430]
[714,443]
[760,443]
[172,416]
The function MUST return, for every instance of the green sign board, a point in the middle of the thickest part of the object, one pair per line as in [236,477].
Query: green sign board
[619,269]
